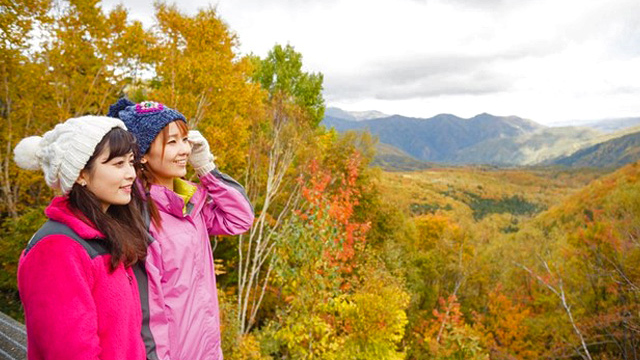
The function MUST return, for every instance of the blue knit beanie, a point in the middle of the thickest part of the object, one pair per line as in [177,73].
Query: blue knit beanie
[144,120]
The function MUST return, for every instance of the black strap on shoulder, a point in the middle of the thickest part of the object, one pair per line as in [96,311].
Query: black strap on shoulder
[231,182]
[140,272]
[142,278]
[146,216]
[94,247]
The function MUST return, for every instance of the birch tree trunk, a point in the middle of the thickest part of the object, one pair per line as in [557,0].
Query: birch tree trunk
[256,249]
[558,290]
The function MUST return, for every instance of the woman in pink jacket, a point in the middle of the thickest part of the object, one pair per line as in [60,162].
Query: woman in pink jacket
[182,298]
[75,277]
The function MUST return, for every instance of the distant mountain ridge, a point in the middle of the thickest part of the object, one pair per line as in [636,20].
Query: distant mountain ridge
[612,153]
[490,139]
[393,159]
[436,139]
[606,125]
[530,148]
[354,115]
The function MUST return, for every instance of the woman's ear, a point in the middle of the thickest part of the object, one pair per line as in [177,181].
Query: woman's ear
[143,160]
[82,179]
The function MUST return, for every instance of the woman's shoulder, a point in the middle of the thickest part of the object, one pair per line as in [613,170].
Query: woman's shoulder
[52,257]
[50,251]
[64,236]
[60,211]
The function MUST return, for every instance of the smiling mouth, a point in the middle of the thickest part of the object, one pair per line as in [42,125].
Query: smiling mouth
[181,162]
[126,188]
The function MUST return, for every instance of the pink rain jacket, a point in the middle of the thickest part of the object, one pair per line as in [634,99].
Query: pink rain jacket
[182,299]
[74,307]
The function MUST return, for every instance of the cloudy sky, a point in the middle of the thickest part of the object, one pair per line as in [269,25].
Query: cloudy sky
[547,60]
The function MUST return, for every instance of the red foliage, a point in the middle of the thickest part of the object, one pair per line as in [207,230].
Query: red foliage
[332,199]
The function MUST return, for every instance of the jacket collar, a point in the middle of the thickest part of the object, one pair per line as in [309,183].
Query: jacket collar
[171,203]
[184,189]
[60,211]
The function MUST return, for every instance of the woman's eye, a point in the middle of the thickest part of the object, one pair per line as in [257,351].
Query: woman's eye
[171,142]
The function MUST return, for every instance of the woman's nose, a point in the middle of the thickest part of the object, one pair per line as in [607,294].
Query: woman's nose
[186,147]
[131,172]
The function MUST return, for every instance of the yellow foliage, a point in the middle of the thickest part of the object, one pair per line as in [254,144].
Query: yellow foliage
[248,348]
[431,228]
[199,74]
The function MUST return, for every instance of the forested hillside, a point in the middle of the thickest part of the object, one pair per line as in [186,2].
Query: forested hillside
[344,260]
[519,264]
[613,153]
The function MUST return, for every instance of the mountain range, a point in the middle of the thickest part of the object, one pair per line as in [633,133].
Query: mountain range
[614,153]
[354,115]
[606,125]
[407,142]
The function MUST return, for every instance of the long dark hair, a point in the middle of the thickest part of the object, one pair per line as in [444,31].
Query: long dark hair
[123,226]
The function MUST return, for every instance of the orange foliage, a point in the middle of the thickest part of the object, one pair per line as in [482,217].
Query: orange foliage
[504,328]
[335,206]
[447,335]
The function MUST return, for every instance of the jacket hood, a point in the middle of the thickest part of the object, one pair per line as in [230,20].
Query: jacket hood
[60,211]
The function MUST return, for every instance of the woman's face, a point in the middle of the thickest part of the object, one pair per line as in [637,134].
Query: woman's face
[173,162]
[110,181]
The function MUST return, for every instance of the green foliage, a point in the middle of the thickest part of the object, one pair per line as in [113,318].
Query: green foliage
[14,235]
[512,227]
[515,205]
[366,322]
[427,208]
[281,72]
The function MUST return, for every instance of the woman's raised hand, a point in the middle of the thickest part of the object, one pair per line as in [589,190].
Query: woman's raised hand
[201,158]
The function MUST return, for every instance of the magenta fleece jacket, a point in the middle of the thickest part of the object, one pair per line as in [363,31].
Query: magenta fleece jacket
[74,308]
[183,301]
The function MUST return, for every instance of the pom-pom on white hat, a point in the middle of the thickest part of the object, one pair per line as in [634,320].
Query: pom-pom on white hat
[63,152]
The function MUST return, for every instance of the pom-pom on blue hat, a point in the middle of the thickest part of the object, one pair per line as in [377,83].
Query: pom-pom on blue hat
[144,120]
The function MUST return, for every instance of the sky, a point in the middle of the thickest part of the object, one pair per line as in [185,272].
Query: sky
[551,61]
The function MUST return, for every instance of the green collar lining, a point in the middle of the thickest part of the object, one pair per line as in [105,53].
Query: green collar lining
[185,190]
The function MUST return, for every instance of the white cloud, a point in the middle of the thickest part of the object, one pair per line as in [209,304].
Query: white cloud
[548,60]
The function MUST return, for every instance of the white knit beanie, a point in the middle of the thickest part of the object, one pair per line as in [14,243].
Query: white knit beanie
[64,151]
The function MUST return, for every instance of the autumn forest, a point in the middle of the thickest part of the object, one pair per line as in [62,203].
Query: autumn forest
[345,260]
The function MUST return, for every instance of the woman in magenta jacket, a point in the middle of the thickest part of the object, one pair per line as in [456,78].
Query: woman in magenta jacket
[182,296]
[75,277]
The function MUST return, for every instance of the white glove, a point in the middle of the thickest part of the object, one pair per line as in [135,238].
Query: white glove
[201,158]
